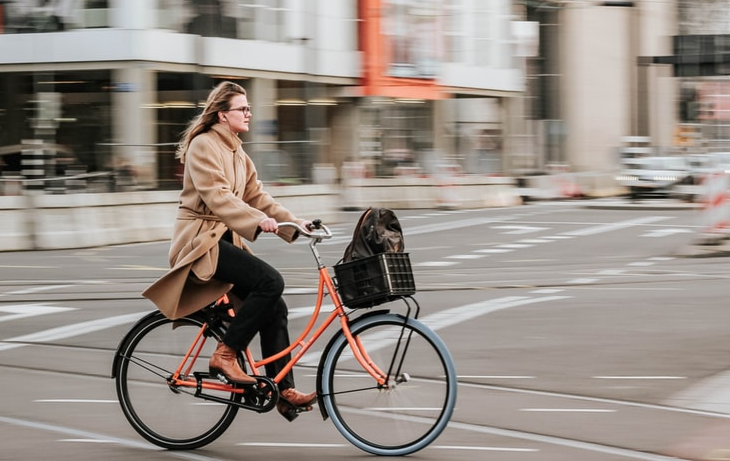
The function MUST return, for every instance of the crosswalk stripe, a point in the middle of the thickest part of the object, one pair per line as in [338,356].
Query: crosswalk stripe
[68,331]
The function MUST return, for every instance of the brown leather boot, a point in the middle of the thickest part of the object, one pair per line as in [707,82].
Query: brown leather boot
[292,402]
[224,362]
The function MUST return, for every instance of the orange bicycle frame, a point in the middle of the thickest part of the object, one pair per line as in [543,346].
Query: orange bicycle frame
[306,339]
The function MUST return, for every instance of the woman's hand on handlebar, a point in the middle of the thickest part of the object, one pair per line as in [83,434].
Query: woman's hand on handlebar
[269,225]
[312,229]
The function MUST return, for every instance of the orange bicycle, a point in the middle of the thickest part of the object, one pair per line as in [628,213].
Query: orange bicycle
[386,380]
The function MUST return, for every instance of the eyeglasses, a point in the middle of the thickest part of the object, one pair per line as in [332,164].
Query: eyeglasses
[245,110]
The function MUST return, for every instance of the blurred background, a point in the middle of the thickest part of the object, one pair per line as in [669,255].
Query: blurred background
[495,87]
[95,93]
[606,337]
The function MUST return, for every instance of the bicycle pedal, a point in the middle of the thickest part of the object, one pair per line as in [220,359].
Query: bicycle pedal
[288,411]
[220,377]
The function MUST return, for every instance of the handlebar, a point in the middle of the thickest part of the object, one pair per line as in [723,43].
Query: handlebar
[316,230]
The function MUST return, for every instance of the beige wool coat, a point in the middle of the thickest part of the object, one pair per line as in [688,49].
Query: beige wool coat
[220,191]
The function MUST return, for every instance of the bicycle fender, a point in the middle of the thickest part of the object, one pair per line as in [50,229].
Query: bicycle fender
[326,351]
[125,339]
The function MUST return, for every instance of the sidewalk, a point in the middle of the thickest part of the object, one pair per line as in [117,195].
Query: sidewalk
[43,222]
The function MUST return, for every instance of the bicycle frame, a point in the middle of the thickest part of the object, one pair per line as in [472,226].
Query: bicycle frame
[306,339]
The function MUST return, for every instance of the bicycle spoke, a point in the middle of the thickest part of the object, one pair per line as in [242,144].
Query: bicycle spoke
[165,414]
[415,404]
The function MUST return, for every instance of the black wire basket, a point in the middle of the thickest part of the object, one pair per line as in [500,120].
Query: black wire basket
[374,280]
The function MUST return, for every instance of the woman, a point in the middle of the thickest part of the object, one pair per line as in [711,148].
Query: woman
[222,202]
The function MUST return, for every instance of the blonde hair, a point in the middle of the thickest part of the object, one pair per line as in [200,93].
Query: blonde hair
[218,100]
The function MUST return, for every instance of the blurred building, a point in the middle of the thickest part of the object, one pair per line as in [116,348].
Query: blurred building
[596,85]
[392,86]
[700,60]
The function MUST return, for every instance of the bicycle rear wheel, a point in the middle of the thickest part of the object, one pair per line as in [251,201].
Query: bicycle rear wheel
[168,416]
[415,407]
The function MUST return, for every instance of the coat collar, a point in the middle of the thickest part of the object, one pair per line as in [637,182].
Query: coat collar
[229,138]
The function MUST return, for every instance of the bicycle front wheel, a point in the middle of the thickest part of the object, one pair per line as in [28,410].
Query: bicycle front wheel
[169,416]
[413,408]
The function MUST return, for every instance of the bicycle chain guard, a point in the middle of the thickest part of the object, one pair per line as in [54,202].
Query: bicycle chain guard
[260,397]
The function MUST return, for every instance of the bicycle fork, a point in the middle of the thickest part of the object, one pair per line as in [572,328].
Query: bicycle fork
[395,365]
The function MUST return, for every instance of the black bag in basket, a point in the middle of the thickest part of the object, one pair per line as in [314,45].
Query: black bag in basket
[374,268]
[377,231]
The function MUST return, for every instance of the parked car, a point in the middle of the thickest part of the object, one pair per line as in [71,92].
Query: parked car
[655,176]
[722,160]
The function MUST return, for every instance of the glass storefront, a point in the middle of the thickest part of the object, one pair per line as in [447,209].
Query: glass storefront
[395,136]
[242,19]
[86,121]
[284,145]
[73,114]
[68,114]
[33,16]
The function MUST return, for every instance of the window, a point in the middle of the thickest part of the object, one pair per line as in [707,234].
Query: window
[22,16]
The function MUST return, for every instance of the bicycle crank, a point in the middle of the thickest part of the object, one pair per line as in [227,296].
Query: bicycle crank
[260,397]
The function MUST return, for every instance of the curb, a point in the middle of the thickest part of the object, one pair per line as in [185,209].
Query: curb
[706,247]
[643,205]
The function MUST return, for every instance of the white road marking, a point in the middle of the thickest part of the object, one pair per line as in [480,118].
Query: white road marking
[20,311]
[450,225]
[470,256]
[495,377]
[446,318]
[69,331]
[454,447]
[639,377]
[436,264]
[612,272]
[129,267]
[514,246]
[567,410]
[300,291]
[26,291]
[86,440]
[603,228]
[292,445]
[664,232]
[546,439]
[493,250]
[387,409]
[518,230]
[86,435]
[27,267]
[582,281]
[710,394]
[641,264]
[306,311]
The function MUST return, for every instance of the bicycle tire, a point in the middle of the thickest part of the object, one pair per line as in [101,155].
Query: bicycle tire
[166,416]
[409,415]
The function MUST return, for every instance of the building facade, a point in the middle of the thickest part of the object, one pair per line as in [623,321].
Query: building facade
[391,86]
[595,85]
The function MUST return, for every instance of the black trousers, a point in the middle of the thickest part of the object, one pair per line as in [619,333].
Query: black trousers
[263,311]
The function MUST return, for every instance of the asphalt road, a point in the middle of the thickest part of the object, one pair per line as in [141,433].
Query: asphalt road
[578,334]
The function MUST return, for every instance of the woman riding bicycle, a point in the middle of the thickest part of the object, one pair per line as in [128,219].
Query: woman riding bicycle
[221,203]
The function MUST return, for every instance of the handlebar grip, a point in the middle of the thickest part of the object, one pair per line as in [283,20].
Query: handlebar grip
[316,230]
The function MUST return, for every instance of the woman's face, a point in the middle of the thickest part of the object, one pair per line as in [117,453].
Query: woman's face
[238,116]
